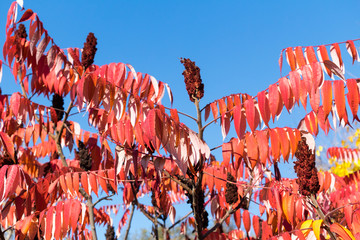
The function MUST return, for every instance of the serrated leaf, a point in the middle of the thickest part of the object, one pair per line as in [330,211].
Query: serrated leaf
[246,220]
[316,228]
[343,232]
[334,69]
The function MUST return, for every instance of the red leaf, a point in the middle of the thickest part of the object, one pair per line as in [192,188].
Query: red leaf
[214,109]
[252,114]
[274,100]
[263,103]
[300,57]
[84,182]
[326,94]
[315,99]
[93,183]
[27,15]
[290,57]
[340,98]
[310,55]
[263,141]
[286,95]
[344,233]
[275,144]
[226,153]
[15,103]
[246,220]
[352,50]
[256,226]
[237,218]
[68,180]
[12,180]
[323,56]
[252,149]
[285,145]
[335,54]
[239,121]
[353,97]
[49,223]
[58,228]
[8,144]
[2,186]
[76,182]
[295,85]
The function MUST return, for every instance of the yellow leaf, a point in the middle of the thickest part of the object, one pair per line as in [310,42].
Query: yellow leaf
[306,226]
[316,228]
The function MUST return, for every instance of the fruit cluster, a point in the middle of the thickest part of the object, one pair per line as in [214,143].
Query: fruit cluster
[89,50]
[305,169]
[192,79]
[231,192]
[84,156]
[58,105]
[110,233]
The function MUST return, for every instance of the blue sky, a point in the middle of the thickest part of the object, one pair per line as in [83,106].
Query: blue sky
[236,44]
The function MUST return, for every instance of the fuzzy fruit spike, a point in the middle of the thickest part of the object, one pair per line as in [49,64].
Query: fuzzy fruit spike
[89,50]
[21,32]
[84,157]
[305,169]
[58,105]
[192,79]
[110,233]
[231,194]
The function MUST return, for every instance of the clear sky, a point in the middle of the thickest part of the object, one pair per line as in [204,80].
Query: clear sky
[236,44]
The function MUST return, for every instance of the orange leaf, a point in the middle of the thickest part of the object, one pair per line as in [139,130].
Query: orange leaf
[239,121]
[326,94]
[352,50]
[252,114]
[290,57]
[252,149]
[275,144]
[93,183]
[339,93]
[353,96]
[300,57]
[286,94]
[263,103]
[7,143]
[84,182]
[323,56]
[237,218]
[246,220]
[343,232]
[274,100]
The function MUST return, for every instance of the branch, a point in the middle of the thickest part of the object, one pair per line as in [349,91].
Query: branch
[141,207]
[2,237]
[184,186]
[322,215]
[129,225]
[180,220]
[103,198]
[186,115]
[91,212]
[231,210]
[59,133]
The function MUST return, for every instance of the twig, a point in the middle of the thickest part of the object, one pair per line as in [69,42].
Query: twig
[186,115]
[103,198]
[180,220]
[91,212]
[2,237]
[322,215]
[59,133]
[130,219]
[178,182]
